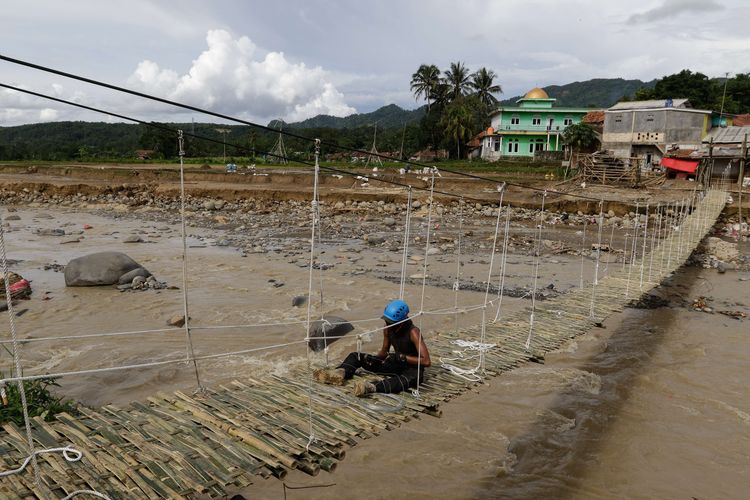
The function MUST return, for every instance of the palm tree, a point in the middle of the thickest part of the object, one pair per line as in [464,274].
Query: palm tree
[424,81]
[457,122]
[457,78]
[483,83]
[441,95]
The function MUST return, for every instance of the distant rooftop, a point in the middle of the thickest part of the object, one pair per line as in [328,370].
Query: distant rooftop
[656,103]
[727,135]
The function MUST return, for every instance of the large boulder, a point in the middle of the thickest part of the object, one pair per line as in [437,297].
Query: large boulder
[102,268]
[327,331]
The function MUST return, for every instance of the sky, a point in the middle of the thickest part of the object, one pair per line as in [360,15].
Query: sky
[293,59]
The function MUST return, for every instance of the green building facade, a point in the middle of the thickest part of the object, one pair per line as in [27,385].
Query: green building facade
[532,126]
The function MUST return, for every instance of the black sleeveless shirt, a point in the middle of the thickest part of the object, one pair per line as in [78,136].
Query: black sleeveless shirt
[400,338]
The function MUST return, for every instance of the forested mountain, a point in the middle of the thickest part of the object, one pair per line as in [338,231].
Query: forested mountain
[596,93]
[414,129]
[386,117]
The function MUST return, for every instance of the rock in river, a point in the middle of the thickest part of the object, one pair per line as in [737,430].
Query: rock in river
[321,332]
[102,268]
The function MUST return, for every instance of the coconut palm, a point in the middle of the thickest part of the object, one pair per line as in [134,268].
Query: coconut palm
[424,81]
[457,78]
[457,122]
[483,83]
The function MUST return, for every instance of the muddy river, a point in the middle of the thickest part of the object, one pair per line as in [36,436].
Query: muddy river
[653,405]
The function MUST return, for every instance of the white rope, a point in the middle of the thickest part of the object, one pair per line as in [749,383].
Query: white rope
[189,353]
[17,356]
[152,364]
[424,279]
[489,273]
[595,282]
[315,222]
[645,241]
[653,240]
[471,346]
[583,246]
[405,255]
[457,283]
[503,263]
[536,273]
[633,253]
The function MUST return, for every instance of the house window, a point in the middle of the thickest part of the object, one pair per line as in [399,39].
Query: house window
[649,117]
[497,145]
[537,120]
[618,119]
[568,121]
[512,145]
[515,120]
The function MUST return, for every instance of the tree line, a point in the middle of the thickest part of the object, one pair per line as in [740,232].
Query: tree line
[730,94]
[458,104]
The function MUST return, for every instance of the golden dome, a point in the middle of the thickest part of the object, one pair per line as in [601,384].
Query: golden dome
[536,93]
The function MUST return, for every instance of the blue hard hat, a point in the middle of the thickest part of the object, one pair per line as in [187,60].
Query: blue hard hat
[395,311]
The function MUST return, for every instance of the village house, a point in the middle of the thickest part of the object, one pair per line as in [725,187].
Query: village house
[648,129]
[526,130]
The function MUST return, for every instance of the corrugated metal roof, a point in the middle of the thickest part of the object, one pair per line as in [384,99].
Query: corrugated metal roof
[657,103]
[727,135]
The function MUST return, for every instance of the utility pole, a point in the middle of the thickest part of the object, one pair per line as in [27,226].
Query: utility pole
[724,95]
[374,155]
[224,132]
[279,151]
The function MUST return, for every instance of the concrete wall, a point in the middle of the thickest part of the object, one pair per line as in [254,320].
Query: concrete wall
[623,130]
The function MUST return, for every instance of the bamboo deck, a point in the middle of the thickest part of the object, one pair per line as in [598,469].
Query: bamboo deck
[181,446]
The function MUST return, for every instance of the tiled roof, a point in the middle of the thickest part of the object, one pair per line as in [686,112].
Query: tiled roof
[741,121]
[593,117]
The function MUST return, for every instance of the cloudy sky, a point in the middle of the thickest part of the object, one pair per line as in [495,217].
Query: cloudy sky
[260,59]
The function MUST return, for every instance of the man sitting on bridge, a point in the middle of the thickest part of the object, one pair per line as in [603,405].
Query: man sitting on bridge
[404,366]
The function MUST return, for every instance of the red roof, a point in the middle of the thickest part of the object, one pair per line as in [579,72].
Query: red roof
[741,121]
[688,166]
[593,117]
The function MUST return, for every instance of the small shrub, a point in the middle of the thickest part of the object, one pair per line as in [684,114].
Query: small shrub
[40,400]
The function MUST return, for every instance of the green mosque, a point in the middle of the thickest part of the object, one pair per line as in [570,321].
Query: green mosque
[535,124]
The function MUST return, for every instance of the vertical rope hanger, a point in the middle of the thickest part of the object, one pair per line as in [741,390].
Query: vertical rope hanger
[654,232]
[645,241]
[190,352]
[314,223]
[583,245]
[17,356]
[424,279]
[489,275]
[503,263]
[633,247]
[536,273]
[595,281]
[405,255]
[457,283]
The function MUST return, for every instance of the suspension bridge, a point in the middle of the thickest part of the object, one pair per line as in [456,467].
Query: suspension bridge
[222,439]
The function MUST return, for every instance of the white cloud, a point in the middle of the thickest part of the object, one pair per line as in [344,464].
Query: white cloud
[232,77]
[48,115]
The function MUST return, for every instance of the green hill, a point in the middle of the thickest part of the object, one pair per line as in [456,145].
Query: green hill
[596,93]
[389,116]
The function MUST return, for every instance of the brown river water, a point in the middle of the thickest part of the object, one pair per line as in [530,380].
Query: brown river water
[653,405]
